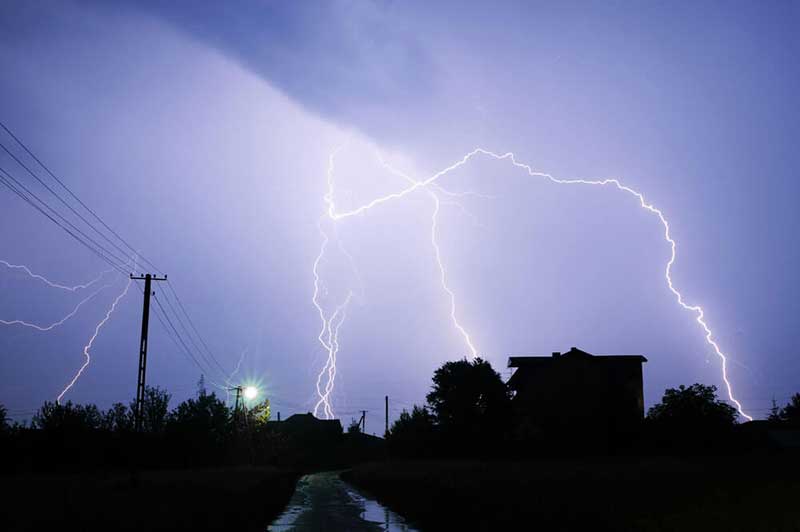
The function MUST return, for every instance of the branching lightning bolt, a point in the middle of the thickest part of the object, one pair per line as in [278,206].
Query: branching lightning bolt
[88,346]
[75,288]
[329,334]
[433,190]
[431,186]
[45,328]
[52,284]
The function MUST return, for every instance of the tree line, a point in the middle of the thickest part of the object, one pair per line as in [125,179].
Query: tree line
[470,410]
[202,430]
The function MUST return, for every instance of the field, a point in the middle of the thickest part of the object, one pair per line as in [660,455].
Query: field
[212,499]
[636,494]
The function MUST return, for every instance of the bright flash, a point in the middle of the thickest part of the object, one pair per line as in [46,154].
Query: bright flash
[250,393]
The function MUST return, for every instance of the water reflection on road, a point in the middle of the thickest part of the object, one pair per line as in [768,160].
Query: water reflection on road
[323,501]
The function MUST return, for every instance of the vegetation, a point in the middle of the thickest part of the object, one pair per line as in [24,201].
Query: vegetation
[691,419]
[545,493]
[789,414]
[354,427]
[469,400]
[238,498]
[67,417]
[692,408]
[414,434]
[4,426]
[155,406]
[695,489]
[468,417]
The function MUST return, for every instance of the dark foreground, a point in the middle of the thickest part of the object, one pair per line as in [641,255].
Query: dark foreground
[647,494]
[322,501]
[240,499]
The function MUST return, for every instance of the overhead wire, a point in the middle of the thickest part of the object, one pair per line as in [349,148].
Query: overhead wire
[99,250]
[191,339]
[59,198]
[182,342]
[194,328]
[27,199]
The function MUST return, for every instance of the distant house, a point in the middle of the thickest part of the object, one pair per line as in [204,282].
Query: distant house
[307,426]
[577,394]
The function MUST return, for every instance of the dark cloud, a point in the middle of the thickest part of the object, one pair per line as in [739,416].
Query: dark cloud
[353,61]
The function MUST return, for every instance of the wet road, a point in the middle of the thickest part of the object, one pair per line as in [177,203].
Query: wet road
[323,501]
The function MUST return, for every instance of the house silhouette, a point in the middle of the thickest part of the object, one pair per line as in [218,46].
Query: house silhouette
[309,427]
[577,395]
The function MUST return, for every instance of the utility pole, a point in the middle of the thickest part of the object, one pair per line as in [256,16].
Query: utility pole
[363,422]
[238,390]
[143,346]
[386,432]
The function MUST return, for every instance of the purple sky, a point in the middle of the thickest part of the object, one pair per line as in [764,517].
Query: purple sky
[202,135]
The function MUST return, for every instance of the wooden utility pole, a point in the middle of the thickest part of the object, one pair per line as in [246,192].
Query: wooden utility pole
[386,432]
[363,422]
[238,390]
[143,346]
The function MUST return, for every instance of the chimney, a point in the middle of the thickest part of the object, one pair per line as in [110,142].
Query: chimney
[556,354]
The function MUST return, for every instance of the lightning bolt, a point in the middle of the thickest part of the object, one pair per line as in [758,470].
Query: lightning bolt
[331,321]
[75,288]
[52,284]
[331,344]
[88,346]
[432,191]
[431,186]
[53,325]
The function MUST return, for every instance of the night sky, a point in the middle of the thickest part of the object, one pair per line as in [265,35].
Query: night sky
[203,136]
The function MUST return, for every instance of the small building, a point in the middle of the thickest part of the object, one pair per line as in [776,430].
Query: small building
[577,394]
[310,427]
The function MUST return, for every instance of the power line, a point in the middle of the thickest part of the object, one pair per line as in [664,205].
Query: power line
[191,339]
[74,196]
[178,342]
[211,360]
[108,227]
[27,199]
[59,198]
[194,328]
[181,340]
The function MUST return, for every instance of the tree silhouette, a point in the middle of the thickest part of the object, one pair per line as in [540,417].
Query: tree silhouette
[469,398]
[354,427]
[695,405]
[207,417]
[254,417]
[691,418]
[4,426]
[66,417]
[774,412]
[155,408]
[118,418]
[791,412]
[413,433]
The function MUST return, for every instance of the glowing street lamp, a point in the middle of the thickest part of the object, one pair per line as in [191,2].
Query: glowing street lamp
[250,393]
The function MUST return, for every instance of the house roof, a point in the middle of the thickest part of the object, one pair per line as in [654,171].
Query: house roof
[573,354]
[309,419]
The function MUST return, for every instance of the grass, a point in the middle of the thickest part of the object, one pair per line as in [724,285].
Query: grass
[208,499]
[645,494]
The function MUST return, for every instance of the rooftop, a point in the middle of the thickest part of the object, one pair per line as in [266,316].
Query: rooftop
[573,354]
